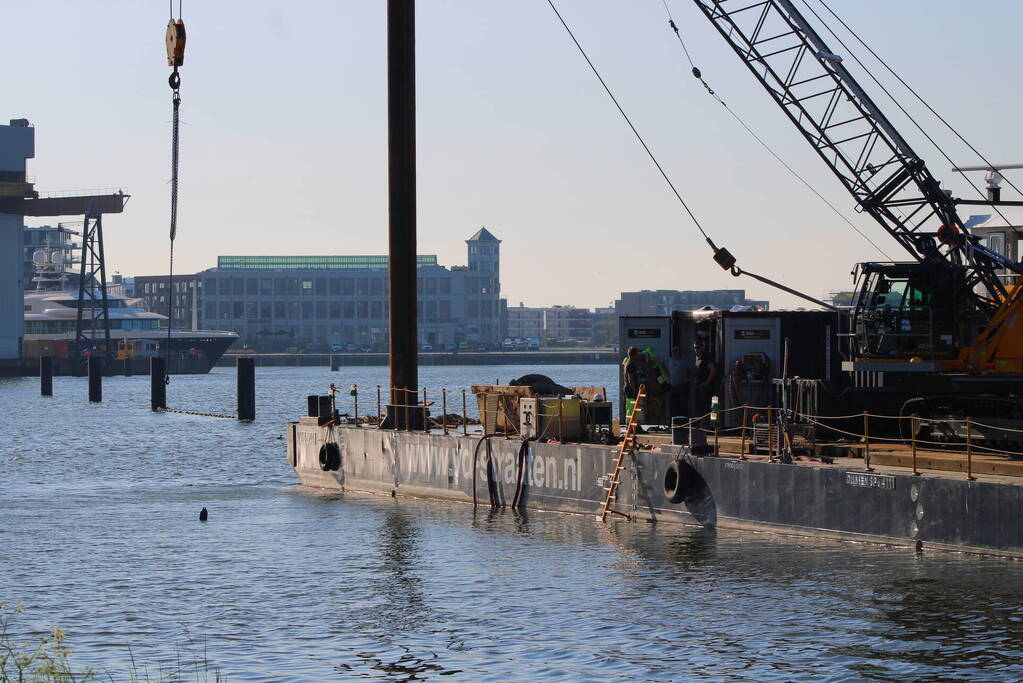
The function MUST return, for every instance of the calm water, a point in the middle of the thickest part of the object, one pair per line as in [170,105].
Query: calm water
[99,534]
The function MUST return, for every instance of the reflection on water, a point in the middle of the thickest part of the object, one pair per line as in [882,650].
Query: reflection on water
[99,533]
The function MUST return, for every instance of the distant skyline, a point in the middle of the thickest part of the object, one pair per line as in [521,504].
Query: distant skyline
[284,134]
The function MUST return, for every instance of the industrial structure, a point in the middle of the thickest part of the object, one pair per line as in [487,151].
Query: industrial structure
[17,144]
[18,199]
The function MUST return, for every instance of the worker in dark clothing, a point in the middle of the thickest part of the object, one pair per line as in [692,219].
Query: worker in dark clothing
[636,371]
[704,379]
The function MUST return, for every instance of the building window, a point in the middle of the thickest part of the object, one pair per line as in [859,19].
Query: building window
[321,310]
[376,310]
[265,310]
[376,286]
[280,310]
[363,309]
[362,286]
[307,310]
[307,287]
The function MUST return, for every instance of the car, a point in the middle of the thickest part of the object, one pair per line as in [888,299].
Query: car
[426,347]
[335,348]
[351,348]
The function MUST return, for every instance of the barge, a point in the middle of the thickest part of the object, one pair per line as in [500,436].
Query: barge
[840,500]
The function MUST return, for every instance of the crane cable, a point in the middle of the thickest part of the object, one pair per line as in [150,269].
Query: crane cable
[634,131]
[175,39]
[722,256]
[699,76]
[903,109]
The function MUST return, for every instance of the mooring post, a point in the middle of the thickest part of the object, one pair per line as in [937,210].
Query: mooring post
[157,383]
[465,416]
[246,389]
[95,379]
[969,450]
[46,375]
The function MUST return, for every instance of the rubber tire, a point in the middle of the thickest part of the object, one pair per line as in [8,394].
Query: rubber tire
[674,490]
[330,457]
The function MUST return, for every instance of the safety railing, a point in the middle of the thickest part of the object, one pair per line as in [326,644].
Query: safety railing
[860,431]
[487,412]
[779,431]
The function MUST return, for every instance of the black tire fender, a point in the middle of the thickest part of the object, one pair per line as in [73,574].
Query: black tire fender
[674,484]
[330,457]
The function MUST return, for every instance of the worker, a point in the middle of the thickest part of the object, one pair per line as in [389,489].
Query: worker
[635,370]
[701,387]
[679,371]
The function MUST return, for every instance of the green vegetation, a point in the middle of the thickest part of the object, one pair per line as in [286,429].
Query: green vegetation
[45,658]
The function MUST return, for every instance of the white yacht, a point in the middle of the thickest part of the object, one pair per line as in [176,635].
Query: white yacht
[51,322]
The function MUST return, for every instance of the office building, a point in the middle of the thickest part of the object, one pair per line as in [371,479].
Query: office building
[152,289]
[316,302]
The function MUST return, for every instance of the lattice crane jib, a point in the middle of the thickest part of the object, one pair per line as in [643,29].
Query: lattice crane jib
[842,123]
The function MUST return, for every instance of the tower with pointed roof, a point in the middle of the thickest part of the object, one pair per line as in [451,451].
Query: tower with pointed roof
[483,286]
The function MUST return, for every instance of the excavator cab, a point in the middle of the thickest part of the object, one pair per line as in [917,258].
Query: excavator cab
[911,310]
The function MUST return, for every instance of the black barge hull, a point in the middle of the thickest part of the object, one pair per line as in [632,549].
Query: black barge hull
[888,505]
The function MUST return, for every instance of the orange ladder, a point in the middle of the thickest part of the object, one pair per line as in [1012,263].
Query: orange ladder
[627,443]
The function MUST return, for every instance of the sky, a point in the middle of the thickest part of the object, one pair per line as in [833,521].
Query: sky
[284,142]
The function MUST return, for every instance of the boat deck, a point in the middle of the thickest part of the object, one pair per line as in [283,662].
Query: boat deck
[887,455]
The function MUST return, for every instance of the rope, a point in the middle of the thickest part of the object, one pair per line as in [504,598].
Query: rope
[629,121]
[699,76]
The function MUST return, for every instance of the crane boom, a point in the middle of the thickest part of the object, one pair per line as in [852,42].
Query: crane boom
[842,123]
